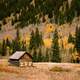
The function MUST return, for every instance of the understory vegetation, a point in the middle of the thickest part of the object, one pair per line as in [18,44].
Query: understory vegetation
[36,47]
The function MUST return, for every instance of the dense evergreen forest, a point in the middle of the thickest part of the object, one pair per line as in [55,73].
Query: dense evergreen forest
[25,12]
[32,11]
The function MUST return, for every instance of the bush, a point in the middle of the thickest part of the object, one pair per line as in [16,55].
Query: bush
[59,69]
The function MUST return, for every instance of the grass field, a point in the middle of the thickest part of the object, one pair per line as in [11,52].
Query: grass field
[40,71]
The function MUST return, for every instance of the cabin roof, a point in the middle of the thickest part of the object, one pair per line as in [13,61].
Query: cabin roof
[18,54]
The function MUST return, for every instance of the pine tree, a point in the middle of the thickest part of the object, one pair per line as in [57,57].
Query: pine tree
[36,40]
[13,46]
[0,27]
[40,57]
[0,49]
[32,41]
[55,48]
[17,43]
[28,12]
[17,39]
[3,48]
[75,4]
[77,39]
[47,55]
[8,42]
[24,46]
[34,59]
[70,39]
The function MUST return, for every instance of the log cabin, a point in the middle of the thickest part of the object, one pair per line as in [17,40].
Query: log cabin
[21,58]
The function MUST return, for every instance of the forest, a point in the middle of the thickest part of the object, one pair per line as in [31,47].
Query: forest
[35,12]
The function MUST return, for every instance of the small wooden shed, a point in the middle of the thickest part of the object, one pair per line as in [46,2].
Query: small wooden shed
[21,58]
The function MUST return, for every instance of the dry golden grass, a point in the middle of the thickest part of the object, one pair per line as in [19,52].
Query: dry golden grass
[41,71]
[4,67]
[8,69]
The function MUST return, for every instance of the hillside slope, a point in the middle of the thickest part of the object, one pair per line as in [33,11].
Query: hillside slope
[8,31]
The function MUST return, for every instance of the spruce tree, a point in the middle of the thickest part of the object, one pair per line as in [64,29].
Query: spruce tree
[70,38]
[4,48]
[36,40]
[77,39]
[34,57]
[0,27]
[46,58]
[31,13]
[0,49]
[8,43]
[24,46]
[40,56]
[55,57]
[17,46]
[17,39]
[32,41]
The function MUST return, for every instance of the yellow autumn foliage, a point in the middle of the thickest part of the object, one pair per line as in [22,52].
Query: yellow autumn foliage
[65,43]
[26,38]
[74,55]
[47,42]
[8,36]
[49,28]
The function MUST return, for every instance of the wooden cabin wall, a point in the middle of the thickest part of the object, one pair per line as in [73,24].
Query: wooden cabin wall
[26,58]
[25,61]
